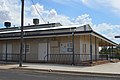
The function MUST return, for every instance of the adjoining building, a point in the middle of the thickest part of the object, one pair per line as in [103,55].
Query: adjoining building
[54,43]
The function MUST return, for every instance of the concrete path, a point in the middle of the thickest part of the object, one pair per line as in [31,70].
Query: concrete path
[8,66]
[109,68]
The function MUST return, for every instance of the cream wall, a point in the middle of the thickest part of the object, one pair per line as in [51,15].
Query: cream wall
[54,49]
[34,45]
[85,39]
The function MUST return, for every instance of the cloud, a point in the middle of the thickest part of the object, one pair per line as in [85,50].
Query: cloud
[53,13]
[65,2]
[108,30]
[53,16]
[48,15]
[83,19]
[4,15]
[10,10]
[113,5]
[105,29]
[12,13]
[85,2]
[40,9]
[4,12]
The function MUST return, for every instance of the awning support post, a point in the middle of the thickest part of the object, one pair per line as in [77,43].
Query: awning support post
[95,49]
[6,53]
[91,49]
[112,51]
[73,48]
[47,49]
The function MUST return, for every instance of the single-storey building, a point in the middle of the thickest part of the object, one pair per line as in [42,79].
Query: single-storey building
[53,43]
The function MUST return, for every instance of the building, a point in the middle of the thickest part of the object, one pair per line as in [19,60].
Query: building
[53,43]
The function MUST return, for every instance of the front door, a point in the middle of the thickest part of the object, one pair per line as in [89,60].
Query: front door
[42,51]
[7,48]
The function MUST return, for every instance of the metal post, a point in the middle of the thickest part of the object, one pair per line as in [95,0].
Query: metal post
[117,52]
[101,58]
[109,52]
[95,49]
[6,52]
[47,49]
[22,24]
[91,48]
[25,49]
[73,48]
[101,45]
[112,51]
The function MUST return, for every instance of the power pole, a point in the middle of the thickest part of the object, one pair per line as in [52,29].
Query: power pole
[22,24]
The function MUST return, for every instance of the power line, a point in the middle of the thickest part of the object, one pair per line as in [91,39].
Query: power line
[38,11]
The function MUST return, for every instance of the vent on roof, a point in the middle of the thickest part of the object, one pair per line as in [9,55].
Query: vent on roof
[7,24]
[35,21]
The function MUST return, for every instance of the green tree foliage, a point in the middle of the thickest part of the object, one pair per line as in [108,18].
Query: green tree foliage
[118,48]
[106,50]
[114,52]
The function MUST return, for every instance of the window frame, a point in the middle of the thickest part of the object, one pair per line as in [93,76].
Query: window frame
[66,47]
[25,49]
[84,48]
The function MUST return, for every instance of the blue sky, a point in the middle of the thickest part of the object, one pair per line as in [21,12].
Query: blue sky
[73,10]
[102,15]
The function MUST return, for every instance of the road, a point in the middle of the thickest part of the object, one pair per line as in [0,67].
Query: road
[37,75]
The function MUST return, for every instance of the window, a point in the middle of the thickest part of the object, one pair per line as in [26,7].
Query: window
[26,48]
[84,48]
[63,47]
[69,47]
[66,47]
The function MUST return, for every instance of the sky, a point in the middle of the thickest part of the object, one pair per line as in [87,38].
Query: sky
[102,15]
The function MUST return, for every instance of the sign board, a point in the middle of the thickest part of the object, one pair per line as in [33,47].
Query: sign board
[117,36]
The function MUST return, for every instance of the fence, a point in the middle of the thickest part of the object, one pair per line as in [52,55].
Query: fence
[58,58]
[78,58]
[11,57]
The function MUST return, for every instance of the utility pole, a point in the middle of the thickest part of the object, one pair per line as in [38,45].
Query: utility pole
[22,24]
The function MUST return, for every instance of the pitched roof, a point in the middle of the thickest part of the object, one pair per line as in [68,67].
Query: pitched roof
[78,28]
[56,30]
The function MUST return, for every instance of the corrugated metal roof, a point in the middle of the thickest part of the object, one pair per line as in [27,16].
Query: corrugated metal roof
[42,29]
[79,29]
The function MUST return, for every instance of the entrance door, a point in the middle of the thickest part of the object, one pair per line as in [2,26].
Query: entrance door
[9,51]
[42,51]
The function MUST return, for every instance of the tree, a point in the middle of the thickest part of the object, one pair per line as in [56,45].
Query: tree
[113,52]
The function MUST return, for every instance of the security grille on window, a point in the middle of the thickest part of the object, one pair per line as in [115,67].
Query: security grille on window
[63,48]
[26,48]
[66,47]
[69,47]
